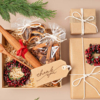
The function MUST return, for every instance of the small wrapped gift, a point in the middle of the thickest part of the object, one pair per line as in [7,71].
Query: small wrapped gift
[83,21]
[85,62]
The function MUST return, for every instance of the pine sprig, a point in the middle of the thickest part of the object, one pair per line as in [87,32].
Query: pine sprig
[37,99]
[23,7]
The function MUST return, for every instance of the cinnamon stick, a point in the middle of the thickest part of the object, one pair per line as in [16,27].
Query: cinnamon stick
[42,58]
[29,57]
[39,46]
[49,52]
[51,60]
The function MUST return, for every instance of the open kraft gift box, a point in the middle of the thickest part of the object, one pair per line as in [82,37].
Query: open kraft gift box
[4,85]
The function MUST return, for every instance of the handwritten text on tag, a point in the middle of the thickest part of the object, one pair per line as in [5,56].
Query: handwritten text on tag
[49,72]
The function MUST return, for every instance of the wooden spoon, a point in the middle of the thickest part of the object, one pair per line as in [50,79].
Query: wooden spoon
[2,50]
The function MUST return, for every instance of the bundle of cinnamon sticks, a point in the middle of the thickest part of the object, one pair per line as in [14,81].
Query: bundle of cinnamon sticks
[43,52]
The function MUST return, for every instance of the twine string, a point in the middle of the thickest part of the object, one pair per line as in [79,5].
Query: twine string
[87,20]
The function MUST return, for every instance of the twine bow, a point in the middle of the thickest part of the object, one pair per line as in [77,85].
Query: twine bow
[86,75]
[87,20]
[22,51]
[58,33]
[53,37]
[25,23]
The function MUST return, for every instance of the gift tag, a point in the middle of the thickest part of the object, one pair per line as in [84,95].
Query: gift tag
[50,72]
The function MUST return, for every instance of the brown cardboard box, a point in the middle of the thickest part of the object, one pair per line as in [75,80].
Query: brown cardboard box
[76,25]
[4,41]
[85,85]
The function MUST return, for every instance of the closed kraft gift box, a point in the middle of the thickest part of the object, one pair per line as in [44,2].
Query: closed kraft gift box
[85,76]
[89,15]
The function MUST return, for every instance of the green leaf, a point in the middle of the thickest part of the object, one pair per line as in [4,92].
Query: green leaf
[4,13]
[23,7]
[92,59]
[37,98]
[91,63]
[11,9]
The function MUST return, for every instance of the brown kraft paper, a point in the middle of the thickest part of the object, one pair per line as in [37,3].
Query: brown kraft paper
[50,72]
[76,26]
[78,61]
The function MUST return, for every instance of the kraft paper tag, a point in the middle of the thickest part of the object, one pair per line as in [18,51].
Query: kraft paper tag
[49,72]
